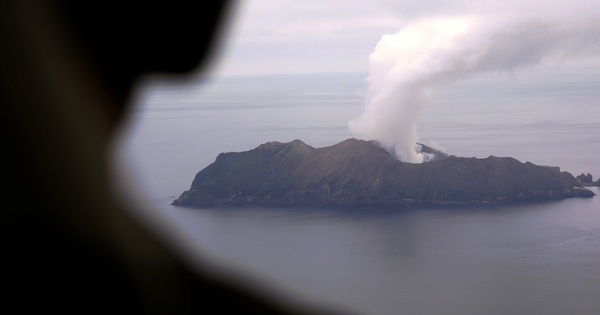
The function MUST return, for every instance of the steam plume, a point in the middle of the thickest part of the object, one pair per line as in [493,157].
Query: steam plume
[409,68]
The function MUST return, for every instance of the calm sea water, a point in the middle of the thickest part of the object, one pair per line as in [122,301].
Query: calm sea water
[534,259]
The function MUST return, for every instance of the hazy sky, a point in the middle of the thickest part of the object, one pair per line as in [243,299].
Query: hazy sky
[268,36]
[410,50]
[281,36]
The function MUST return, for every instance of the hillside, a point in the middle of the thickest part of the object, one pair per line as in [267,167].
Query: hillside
[357,172]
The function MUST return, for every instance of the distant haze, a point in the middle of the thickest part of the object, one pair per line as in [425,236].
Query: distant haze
[412,50]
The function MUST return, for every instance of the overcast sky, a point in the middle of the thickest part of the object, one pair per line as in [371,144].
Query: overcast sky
[283,36]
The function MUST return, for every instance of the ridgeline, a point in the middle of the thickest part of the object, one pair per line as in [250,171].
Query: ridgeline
[356,172]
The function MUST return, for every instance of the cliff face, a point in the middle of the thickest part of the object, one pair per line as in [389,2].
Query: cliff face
[356,172]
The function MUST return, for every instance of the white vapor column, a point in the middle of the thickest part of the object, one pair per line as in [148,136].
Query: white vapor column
[409,68]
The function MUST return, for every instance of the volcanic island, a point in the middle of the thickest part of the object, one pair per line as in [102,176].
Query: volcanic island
[362,173]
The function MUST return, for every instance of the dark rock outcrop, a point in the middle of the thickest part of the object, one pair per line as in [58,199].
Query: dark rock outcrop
[357,172]
[587,180]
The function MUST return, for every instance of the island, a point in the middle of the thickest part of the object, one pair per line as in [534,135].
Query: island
[587,180]
[362,173]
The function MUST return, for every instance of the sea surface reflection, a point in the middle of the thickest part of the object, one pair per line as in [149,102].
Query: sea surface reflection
[541,259]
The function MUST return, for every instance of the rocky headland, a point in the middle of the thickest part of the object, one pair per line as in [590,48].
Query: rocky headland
[587,180]
[356,172]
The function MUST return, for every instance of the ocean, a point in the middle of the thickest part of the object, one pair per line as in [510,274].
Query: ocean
[520,259]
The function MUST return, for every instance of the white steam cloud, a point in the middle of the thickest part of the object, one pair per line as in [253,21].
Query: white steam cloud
[408,69]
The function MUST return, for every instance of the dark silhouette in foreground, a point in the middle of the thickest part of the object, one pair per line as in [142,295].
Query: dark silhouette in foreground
[361,173]
[69,243]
